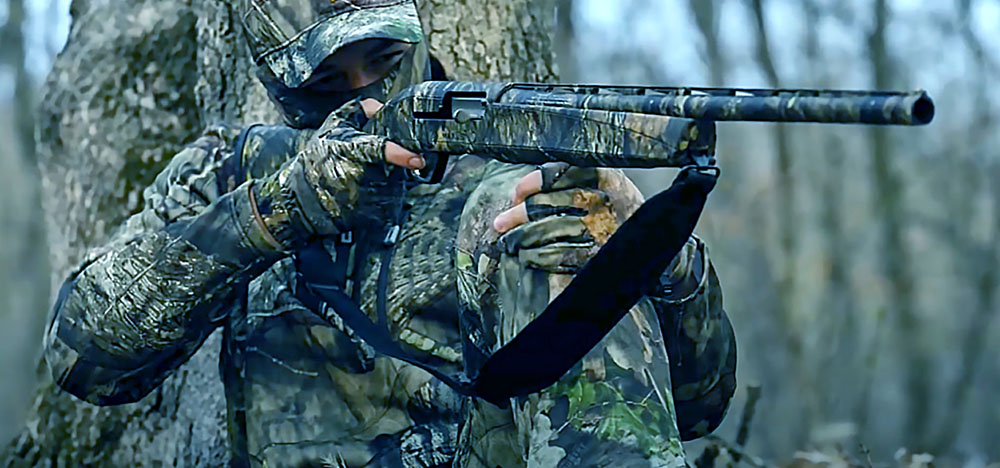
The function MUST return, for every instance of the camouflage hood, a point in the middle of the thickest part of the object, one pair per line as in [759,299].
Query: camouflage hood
[289,39]
[292,37]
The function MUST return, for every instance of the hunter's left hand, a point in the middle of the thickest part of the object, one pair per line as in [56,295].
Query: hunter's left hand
[560,217]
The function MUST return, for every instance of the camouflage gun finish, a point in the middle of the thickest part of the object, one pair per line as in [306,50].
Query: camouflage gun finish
[612,126]
[737,104]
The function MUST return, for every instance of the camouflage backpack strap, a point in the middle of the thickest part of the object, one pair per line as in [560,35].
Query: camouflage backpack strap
[334,303]
[233,173]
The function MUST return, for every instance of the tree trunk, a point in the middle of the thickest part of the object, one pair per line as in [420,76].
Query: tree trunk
[12,54]
[120,100]
[787,222]
[838,317]
[897,266]
[785,187]
[24,294]
[706,18]
[977,260]
[135,82]
[565,39]
[507,40]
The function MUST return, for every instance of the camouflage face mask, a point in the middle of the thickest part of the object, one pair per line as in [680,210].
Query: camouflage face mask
[303,108]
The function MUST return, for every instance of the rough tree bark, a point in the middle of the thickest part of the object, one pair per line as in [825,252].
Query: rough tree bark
[135,82]
[119,101]
[492,39]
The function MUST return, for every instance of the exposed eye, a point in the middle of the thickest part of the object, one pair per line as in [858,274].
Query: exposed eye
[327,81]
[387,58]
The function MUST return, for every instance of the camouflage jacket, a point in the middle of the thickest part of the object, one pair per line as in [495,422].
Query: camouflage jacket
[305,392]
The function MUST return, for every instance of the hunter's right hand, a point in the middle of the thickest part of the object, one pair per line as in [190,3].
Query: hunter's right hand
[314,193]
[394,154]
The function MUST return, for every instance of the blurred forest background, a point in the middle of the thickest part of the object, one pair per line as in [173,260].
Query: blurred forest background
[31,34]
[860,266]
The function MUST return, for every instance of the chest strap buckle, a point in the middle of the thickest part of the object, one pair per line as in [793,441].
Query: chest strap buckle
[392,236]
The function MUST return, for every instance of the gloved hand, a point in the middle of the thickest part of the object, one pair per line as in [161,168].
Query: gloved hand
[310,195]
[563,214]
[560,218]
[313,193]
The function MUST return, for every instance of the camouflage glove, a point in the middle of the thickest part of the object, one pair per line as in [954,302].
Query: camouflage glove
[564,214]
[560,218]
[310,195]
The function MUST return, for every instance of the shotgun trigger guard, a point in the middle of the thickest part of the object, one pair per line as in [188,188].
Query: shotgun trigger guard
[433,172]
